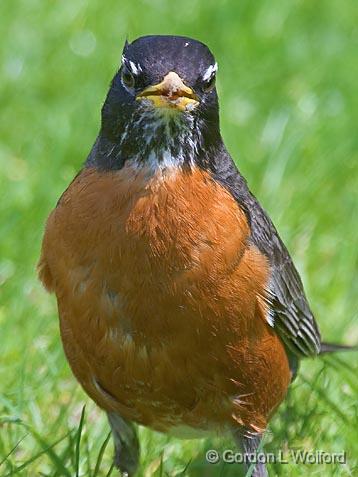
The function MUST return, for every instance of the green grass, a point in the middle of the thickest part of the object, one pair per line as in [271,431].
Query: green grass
[287,83]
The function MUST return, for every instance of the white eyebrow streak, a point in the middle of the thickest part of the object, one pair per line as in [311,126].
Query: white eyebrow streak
[134,68]
[210,71]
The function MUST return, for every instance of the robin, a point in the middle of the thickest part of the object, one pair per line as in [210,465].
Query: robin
[180,307]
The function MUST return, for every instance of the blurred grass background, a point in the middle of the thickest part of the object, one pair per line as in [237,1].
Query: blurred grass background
[288,88]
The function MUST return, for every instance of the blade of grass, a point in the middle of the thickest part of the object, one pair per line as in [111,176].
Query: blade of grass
[78,442]
[88,456]
[61,415]
[325,399]
[67,454]
[342,367]
[36,456]
[100,455]
[13,449]
[161,467]
[183,472]
[252,466]
[56,460]
[110,470]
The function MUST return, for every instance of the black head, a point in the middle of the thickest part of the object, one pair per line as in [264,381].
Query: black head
[158,55]
[162,99]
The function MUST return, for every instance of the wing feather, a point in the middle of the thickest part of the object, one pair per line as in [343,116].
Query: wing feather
[290,312]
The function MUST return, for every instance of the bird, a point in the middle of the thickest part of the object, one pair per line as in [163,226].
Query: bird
[180,308]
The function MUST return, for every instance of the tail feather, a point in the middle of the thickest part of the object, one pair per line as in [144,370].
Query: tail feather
[333,348]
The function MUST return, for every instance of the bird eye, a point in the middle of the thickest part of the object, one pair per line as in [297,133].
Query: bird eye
[128,78]
[209,84]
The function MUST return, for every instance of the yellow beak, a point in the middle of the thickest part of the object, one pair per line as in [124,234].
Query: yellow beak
[170,93]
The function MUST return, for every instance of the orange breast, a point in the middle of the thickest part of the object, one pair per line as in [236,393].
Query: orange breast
[161,300]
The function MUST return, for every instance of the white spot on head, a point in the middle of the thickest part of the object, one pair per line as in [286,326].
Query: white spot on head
[210,72]
[136,69]
[186,44]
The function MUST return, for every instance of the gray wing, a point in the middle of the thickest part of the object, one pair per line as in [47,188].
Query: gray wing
[290,313]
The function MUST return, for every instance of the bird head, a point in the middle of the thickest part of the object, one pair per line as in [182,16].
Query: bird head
[162,99]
